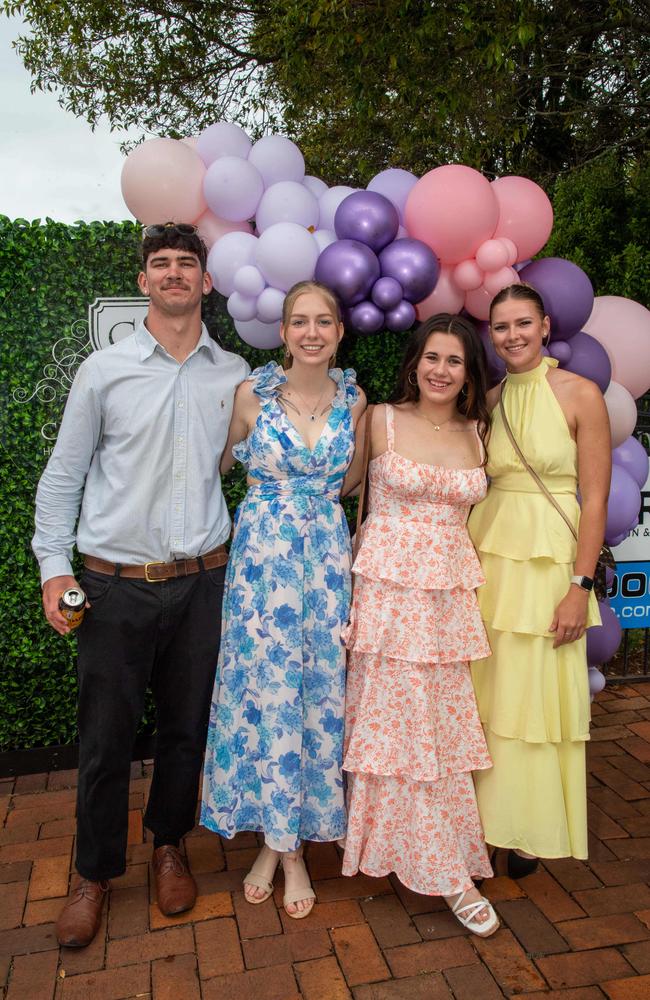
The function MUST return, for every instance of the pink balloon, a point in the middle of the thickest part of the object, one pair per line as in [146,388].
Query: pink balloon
[525,214]
[212,228]
[496,280]
[622,326]
[492,255]
[445,297]
[622,412]
[162,181]
[190,140]
[468,275]
[477,303]
[511,249]
[453,210]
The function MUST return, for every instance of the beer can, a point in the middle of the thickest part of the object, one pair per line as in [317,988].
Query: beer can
[72,604]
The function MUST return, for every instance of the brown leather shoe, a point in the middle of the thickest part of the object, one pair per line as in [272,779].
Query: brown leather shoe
[175,887]
[81,916]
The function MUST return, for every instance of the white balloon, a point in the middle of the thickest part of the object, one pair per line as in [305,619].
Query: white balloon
[248,281]
[242,307]
[277,159]
[286,253]
[232,188]
[287,201]
[329,201]
[324,237]
[261,335]
[315,185]
[222,139]
[269,305]
[622,412]
[228,254]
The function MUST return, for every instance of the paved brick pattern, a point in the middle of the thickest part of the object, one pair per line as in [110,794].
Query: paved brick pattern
[574,930]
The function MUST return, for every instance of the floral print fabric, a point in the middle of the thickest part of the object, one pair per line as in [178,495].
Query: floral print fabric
[413,734]
[274,752]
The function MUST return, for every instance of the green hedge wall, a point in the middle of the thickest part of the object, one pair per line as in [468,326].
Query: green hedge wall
[50,272]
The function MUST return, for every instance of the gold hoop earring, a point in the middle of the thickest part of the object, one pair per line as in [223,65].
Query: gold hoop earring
[411,381]
[287,352]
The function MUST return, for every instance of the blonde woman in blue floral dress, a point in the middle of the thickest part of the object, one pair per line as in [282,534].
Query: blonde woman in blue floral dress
[275,743]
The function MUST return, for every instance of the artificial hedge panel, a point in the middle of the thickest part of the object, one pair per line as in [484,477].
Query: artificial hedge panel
[49,274]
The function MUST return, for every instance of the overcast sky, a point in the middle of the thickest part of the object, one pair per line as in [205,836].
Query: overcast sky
[51,163]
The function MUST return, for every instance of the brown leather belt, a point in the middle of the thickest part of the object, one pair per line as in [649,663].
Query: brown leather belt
[156,572]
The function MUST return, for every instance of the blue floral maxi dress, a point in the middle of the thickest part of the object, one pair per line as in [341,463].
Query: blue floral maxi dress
[275,740]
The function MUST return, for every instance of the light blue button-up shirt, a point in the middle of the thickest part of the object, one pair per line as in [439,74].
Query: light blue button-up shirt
[137,456]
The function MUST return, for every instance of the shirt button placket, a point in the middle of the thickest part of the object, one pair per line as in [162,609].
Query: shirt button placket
[179,463]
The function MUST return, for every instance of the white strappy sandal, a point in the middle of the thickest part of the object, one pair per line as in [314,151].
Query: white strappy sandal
[466,914]
[259,880]
[304,891]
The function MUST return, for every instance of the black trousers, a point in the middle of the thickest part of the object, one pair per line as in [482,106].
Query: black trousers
[135,634]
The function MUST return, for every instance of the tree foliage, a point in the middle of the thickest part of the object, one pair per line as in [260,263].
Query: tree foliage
[530,86]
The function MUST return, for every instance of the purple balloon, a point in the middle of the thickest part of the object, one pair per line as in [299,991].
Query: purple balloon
[349,268]
[589,359]
[614,540]
[624,503]
[560,350]
[401,318]
[632,456]
[366,317]
[496,367]
[387,293]
[368,217]
[609,576]
[413,264]
[603,640]
[567,293]
[596,681]
[521,264]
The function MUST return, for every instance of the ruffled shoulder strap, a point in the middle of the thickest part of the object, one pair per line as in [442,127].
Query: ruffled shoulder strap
[346,382]
[266,380]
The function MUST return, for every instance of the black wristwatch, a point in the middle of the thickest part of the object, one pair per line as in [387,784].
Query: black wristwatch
[583,581]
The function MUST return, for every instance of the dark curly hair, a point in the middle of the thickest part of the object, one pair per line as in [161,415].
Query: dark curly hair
[473,404]
[173,240]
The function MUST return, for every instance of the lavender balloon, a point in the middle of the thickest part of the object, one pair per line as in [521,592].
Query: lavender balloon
[603,640]
[596,681]
[614,540]
[387,293]
[567,292]
[368,217]
[589,359]
[366,317]
[624,503]
[350,269]
[401,318]
[413,264]
[632,456]
[561,351]
[395,184]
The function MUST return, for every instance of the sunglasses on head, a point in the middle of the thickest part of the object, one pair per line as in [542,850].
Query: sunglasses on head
[160,228]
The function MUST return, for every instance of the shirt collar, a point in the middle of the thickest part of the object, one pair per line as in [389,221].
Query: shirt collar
[147,343]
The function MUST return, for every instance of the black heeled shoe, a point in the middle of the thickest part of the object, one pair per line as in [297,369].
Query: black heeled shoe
[512,863]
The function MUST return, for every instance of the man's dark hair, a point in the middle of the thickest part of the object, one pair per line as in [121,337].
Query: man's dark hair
[173,240]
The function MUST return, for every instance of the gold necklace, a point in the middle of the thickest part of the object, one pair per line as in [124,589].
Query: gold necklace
[435,426]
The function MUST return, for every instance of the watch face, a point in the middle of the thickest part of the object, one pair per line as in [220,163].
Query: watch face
[587,583]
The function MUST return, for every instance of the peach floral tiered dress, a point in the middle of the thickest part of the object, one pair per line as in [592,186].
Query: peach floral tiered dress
[413,734]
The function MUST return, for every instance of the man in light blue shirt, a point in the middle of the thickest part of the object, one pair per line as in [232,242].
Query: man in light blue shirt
[134,482]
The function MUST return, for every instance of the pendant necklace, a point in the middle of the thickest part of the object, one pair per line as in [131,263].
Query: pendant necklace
[435,426]
[312,413]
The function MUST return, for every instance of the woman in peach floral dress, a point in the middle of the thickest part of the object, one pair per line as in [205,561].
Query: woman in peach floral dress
[413,735]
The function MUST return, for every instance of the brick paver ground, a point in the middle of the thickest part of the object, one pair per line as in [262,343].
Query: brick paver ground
[573,930]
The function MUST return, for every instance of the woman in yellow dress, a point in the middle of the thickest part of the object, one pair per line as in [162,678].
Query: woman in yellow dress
[533,692]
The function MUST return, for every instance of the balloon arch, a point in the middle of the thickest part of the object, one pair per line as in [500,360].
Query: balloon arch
[400,250]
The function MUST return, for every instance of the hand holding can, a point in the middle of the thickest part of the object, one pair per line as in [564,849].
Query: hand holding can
[72,605]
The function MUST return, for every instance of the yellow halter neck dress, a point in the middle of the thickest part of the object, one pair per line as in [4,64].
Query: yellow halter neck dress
[533,700]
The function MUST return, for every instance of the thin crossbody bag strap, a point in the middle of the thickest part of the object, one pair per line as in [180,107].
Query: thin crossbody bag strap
[549,496]
[363,492]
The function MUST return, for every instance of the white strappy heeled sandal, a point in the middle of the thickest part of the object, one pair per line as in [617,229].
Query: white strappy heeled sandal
[466,914]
